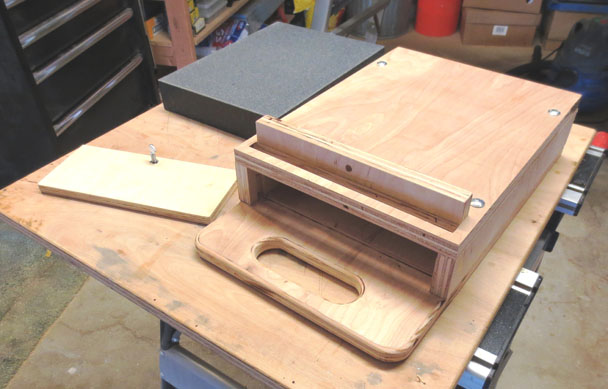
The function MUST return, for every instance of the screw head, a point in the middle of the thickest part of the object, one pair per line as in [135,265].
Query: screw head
[382,63]
[153,159]
[554,112]
[477,203]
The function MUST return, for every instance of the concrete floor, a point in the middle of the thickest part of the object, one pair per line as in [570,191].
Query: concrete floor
[102,340]
[35,287]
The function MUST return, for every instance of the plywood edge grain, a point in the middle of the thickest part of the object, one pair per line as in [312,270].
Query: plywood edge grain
[130,206]
[438,198]
[370,209]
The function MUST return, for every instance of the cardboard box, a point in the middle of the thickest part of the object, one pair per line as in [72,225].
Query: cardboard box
[550,44]
[155,24]
[527,6]
[498,28]
[558,23]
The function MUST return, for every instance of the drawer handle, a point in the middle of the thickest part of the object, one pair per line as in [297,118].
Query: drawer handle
[12,3]
[65,58]
[81,109]
[37,32]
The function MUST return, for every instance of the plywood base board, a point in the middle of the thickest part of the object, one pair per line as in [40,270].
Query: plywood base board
[392,307]
[177,189]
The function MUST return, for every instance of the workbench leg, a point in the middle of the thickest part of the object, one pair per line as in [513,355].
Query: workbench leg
[181,369]
[169,336]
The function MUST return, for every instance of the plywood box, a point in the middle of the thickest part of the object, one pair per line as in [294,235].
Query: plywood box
[527,6]
[372,182]
[498,28]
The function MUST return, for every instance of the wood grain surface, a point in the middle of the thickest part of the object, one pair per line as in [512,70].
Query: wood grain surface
[177,189]
[158,269]
[394,307]
[314,151]
[469,127]
[396,141]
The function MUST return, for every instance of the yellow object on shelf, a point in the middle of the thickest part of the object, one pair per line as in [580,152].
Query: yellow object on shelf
[194,15]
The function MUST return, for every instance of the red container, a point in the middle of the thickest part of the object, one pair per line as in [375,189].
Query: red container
[437,17]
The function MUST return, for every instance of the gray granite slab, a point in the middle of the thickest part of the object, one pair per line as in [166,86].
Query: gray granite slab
[271,72]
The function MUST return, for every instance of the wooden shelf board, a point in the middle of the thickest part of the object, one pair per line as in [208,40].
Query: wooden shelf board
[213,24]
[162,45]
[161,39]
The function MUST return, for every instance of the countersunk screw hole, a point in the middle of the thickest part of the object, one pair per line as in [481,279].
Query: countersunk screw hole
[554,112]
[381,63]
[477,203]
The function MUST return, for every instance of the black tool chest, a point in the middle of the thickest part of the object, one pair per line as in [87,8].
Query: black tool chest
[70,70]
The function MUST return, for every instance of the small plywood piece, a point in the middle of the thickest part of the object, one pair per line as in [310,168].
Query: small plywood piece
[176,189]
[394,308]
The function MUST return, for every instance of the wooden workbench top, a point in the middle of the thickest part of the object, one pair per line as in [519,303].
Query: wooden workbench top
[152,261]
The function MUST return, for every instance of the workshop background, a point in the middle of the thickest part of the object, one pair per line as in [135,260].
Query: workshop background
[72,70]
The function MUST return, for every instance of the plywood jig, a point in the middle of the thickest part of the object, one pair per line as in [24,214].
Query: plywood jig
[176,189]
[373,181]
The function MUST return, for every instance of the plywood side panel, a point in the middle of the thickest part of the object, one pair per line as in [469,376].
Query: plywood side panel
[489,230]
[249,184]
[333,218]
[177,189]
[359,204]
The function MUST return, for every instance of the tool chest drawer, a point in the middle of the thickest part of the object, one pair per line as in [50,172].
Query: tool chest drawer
[82,75]
[57,34]
[25,14]
[86,67]
[127,94]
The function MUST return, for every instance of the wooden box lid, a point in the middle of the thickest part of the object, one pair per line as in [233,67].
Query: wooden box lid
[460,130]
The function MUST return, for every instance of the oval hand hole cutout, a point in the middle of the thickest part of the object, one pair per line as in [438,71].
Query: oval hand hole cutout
[311,274]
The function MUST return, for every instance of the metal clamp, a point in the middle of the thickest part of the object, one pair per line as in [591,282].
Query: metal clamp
[573,197]
[82,46]
[493,352]
[81,109]
[32,35]
[179,368]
